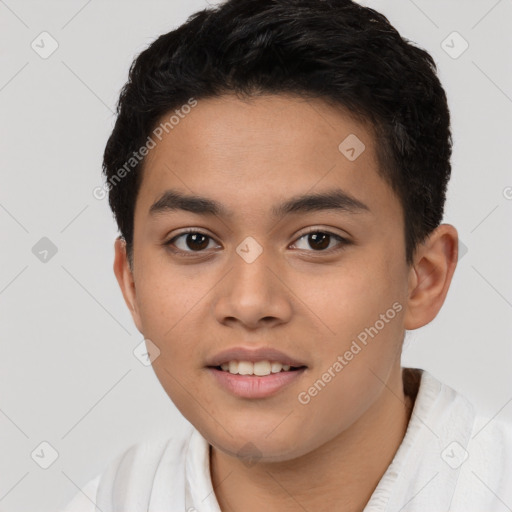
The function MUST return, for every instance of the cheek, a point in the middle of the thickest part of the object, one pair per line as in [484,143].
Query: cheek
[363,308]
[171,306]
[351,298]
[165,296]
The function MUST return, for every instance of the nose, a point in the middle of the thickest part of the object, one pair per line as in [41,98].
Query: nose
[253,294]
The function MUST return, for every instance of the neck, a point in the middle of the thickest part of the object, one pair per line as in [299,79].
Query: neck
[340,475]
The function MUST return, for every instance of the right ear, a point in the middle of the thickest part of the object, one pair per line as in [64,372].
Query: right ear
[125,280]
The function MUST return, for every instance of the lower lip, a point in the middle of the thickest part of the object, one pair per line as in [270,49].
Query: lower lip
[254,386]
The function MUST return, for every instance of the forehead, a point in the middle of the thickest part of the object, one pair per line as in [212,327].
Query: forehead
[248,153]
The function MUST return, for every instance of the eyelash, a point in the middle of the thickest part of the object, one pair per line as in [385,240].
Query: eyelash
[342,242]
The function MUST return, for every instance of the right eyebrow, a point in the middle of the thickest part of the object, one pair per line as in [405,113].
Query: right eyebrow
[173,200]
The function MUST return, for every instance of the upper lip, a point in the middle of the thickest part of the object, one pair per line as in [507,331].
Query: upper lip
[253,355]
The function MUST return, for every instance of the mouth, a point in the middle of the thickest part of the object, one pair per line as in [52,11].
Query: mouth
[255,380]
[257,368]
[249,372]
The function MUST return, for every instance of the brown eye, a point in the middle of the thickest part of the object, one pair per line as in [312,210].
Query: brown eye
[191,241]
[196,241]
[320,241]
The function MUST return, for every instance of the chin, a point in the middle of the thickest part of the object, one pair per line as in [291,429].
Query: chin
[262,444]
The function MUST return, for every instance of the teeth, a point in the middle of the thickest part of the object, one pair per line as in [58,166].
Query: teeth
[245,368]
[276,367]
[259,368]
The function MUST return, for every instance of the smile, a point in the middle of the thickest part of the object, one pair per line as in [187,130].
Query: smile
[259,368]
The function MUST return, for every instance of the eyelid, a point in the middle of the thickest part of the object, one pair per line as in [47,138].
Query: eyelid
[343,241]
[319,229]
[169,243]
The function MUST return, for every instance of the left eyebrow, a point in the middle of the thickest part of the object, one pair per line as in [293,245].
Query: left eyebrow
[337,199]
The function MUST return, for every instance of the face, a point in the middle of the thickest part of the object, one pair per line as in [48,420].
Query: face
[322,280]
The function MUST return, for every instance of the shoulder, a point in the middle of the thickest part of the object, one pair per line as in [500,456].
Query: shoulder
[484,479]
[468,459]
[132,474]
[491,446]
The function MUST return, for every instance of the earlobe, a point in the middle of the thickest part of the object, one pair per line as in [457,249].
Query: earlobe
[124,276]
[431,275]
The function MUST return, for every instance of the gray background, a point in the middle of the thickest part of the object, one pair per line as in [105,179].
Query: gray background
[67,372]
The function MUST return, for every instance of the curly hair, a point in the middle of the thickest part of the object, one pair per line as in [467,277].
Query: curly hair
[348,55]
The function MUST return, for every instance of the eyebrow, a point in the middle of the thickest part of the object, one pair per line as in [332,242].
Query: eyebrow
[336,199]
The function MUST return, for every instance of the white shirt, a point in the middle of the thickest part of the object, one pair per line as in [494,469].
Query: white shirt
[450,460]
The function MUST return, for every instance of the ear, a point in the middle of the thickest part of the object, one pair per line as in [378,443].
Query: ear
[430,276]
[124,276]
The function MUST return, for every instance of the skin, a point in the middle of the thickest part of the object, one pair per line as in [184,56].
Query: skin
[251,155]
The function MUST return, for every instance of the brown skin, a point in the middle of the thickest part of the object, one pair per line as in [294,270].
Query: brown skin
[250,155]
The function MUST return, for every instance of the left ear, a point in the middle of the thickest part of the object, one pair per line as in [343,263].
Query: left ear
[430,276]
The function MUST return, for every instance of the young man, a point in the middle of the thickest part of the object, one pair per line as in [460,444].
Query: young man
[278,172]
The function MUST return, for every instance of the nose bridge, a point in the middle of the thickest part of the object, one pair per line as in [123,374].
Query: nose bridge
[251,279]
[253,261]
